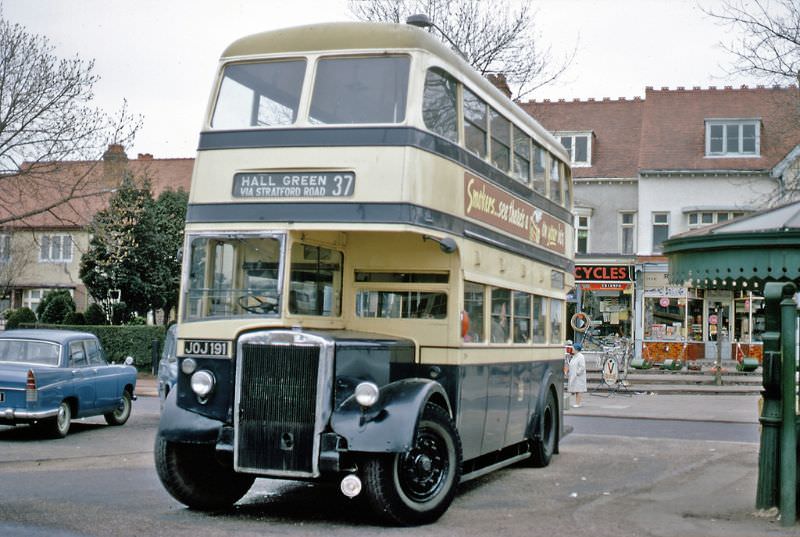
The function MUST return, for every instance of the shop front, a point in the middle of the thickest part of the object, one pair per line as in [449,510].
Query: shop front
[605,293]
[690,324]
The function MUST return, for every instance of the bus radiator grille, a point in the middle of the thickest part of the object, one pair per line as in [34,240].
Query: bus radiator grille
[277,401]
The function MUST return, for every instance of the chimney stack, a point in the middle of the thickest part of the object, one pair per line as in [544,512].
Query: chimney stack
[115,162]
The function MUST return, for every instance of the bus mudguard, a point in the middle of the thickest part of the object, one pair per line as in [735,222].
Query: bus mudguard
[389,425]
[179,425]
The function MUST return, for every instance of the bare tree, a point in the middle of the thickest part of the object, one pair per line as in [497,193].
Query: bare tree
[494,38]
[767,42]
[47,117]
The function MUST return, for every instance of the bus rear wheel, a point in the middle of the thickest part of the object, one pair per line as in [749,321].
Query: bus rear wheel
[193,476]
[417,486]
[543,447]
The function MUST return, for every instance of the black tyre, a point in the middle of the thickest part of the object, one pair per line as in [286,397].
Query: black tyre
[417,487]
[193,476]
[543,447]
[121,414]
[58,427]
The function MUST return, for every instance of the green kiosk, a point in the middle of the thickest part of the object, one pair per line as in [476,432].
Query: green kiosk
[760,251]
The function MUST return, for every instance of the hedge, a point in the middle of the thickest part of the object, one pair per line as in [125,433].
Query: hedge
[119,341]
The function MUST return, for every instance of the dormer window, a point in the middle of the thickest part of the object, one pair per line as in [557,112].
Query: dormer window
[733,137]
[579,147]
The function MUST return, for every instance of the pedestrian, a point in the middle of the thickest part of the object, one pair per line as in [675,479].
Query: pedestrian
[576,384]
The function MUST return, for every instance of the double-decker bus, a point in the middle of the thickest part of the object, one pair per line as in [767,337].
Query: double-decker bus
[378,251]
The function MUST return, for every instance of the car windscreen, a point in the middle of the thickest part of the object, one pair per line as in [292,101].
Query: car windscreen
[29,352]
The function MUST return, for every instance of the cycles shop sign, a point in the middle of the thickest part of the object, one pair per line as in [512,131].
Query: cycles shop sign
[604,273]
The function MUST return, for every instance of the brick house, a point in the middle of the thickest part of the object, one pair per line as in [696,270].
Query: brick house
[647,169]
[41,252]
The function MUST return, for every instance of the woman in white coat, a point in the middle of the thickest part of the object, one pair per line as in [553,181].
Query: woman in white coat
[576,384]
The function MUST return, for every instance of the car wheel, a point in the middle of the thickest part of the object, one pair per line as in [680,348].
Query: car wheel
[193,476]
[123,411]
[543,447]
[417,487]
[58,427]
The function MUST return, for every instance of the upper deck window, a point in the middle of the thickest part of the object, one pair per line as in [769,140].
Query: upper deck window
[360,90]
[440,104]
[476,115]
[263,94]
[501,140]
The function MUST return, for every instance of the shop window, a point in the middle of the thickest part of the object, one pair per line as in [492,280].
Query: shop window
[664,318]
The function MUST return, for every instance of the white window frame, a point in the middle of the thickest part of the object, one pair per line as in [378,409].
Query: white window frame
[582,212]
[32,297]
[622,227]
[657,247]
[65,248]
[740,123]
[571,149]
[701,218]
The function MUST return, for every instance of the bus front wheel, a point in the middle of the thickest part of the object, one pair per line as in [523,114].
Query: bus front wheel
[193,476]
[417,486]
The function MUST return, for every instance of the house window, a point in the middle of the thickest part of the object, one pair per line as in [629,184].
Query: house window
[5,248]
[733,138]
[579,147]
[55,249]
[582,234]
[697,219]
[660,230]
[627,232]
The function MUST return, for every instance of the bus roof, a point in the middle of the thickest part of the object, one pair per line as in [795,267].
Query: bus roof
[375,35]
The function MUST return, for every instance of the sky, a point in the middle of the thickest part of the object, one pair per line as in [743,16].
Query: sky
[161,55]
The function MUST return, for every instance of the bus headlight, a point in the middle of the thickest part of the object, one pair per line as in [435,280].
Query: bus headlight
[202,383]
[366,394]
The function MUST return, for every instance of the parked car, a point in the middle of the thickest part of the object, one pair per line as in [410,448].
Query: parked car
[168,365]
[48,377]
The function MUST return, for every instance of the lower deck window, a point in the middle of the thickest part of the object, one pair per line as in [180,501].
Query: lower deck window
[401,304]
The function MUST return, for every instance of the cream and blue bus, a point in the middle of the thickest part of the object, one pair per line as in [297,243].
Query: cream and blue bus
[378,253]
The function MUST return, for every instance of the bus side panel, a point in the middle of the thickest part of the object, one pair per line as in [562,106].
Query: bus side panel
[497,403]
[472,406]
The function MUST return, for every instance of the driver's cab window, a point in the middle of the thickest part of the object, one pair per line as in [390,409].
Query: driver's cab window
[316,281]
[77,354]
